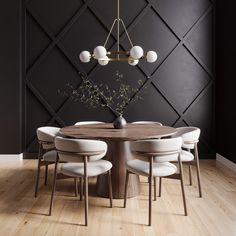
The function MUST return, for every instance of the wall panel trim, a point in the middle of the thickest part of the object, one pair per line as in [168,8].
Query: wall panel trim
[223,160]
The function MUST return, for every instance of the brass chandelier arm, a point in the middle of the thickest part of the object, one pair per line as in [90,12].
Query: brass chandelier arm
[118,20]
[118,52]
[123,24]
[119,59]
[108,36]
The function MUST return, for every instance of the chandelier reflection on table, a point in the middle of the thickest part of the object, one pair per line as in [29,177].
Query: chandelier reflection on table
[133,56]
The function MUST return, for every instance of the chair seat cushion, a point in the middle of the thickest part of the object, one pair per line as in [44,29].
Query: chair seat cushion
[50,156]
[186,156]
[159,169]
[94,168]
[188,145]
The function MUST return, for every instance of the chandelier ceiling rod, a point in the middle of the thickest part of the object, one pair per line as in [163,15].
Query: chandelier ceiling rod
[118,28]
[132,57]
[118,20]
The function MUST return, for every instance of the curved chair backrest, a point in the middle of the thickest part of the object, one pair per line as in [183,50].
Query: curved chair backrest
[46,136]
[147,122]
[88,122]
[162,150]
[189,134]
[74,150]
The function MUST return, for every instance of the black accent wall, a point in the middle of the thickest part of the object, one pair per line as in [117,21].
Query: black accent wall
[11,106]
[179,88]
[226,95]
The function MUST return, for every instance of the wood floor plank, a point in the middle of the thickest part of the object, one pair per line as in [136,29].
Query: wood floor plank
[22,214]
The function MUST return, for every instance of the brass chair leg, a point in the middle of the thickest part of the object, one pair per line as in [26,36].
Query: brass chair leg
[126,187]
[53,187]
[110,187]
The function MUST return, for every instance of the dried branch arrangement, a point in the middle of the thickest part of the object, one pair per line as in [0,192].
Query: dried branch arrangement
[94,96]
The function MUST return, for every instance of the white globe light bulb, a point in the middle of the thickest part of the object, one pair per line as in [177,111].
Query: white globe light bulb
[99,52]
[151,56]
[136,52]
[133,62]
[103,61]
[85,56]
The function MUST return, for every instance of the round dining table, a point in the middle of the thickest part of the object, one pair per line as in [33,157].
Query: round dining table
[118,152]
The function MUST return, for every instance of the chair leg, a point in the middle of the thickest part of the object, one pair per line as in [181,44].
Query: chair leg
[76,187]
[150,193]
[46,175]
[53,187]
[86,191]
[110,187]
[182,185]
[81,189]
[190,175]
[37,177]
[155,188]
[160,183]
[198,170]
[126,187]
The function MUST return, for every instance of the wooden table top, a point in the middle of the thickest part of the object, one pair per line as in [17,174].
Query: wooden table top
[106,131]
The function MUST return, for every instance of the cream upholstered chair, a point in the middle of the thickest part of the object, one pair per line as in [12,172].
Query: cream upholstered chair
[45,137]
[47,154]
[84,159]
[143,123]
[147,122]
[91,122]
[154,161]
[190,136]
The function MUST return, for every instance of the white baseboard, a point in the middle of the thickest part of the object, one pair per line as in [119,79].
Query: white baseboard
[231,165]
[12,156]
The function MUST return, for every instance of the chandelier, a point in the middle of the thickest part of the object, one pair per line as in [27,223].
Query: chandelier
[133,56]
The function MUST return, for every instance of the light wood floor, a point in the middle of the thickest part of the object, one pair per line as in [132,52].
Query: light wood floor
[22,214]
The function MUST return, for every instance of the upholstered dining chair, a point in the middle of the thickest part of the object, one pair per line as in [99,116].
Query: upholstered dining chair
[154,161]
[147,122]
[83,160]
[190,136]
[47,154]
[80,123]
[143,123]
[91,122]
[45,136]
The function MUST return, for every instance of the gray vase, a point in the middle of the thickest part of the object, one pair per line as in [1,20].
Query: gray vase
[119,122]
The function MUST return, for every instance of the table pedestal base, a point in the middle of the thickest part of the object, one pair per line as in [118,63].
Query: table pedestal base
[118,153]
